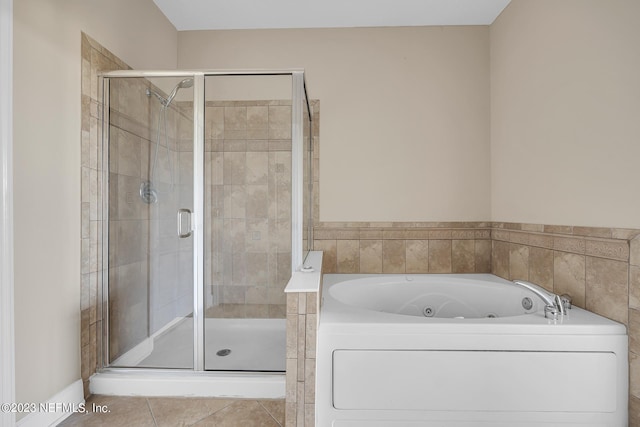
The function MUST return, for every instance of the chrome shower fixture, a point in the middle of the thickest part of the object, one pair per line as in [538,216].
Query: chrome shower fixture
[148,194]
[148,191]
[183,84]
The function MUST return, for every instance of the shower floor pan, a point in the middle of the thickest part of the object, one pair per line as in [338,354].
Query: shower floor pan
[230,345]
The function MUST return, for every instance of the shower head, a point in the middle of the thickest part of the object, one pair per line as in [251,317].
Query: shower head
[184,84]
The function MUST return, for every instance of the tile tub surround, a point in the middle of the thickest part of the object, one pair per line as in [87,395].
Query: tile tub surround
[404,247]
[598,267]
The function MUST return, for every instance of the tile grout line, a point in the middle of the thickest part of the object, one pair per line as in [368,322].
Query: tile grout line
[270,414]
[153,417]
[231,401]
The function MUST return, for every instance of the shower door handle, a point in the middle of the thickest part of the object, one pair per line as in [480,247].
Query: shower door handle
[181,213]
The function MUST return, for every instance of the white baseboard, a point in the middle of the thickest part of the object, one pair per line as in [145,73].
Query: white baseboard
[55,410]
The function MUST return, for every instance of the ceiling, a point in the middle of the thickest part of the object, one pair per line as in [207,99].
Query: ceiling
[259,14]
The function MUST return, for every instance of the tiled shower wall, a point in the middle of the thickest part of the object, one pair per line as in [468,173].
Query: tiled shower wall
[248,198]
[94,60]
[145,294]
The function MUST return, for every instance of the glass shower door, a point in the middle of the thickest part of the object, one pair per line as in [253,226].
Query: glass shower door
[151,248]
[248,221]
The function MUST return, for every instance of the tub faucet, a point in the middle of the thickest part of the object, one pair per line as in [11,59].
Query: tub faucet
[555,305]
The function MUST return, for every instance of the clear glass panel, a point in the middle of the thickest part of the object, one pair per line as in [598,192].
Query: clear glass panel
[150,278]
[247,221]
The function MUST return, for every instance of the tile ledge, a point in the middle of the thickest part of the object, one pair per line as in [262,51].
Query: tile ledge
[302,281]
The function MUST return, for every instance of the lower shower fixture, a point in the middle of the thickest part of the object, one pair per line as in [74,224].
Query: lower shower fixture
[148,194]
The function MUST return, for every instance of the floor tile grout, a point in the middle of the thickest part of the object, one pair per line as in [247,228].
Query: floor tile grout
[153,416]
[268,412]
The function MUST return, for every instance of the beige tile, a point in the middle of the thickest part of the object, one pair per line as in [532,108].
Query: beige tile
[634,411]
[257,117]
[483,256]
[348,256]
[275,408]
[592,232]
[257,201]
[310,381]
[519,237]
[569,276]
[500,259]
[634,287]
[541,267]
[291,413]
[312,302]
[214,122]
[607,290]
[569,244]
[370,256]
[463,257]
[558,229]
[393,256]
[329,254]
[302,331]
[440,256]
[241,413]
[634,374]
[302,303]
[291,379]
[541,241]
[235,118]
[612,249]
[234,168]
[120,412]
[279,122]
[292,336]
[292,303]
[311,325]
[417,256]
[634,251]
[518,262]
[309,415]
[184,411]
[634,331]
[257,167]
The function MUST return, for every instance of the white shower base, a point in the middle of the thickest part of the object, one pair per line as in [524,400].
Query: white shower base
[255,344]
[162,365]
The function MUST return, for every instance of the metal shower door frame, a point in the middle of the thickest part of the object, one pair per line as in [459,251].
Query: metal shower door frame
[298,97]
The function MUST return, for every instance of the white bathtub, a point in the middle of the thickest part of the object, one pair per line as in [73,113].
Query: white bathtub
[479,359]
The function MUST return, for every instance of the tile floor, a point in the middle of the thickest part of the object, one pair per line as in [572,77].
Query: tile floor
[186,411]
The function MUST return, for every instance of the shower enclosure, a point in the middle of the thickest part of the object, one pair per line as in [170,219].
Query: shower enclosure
[207,211]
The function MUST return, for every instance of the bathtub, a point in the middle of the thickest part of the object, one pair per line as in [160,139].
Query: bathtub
[462,350]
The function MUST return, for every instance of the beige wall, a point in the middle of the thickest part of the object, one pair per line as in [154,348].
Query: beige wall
[47,163]
[405,113]
[565,113]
